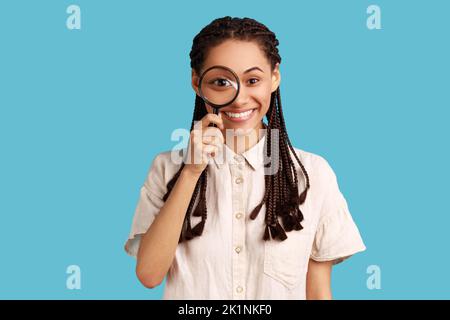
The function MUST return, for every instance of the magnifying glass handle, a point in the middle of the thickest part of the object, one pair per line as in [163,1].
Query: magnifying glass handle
[215,111]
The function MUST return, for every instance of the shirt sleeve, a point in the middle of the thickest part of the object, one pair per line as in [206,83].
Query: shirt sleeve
[337,236]
[149,204]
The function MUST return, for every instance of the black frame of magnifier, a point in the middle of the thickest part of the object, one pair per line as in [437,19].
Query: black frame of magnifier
[216,107]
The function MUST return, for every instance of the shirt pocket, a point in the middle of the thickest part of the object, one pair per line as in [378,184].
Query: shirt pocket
[286,261]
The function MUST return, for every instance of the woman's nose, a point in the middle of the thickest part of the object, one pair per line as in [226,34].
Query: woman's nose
[243,97]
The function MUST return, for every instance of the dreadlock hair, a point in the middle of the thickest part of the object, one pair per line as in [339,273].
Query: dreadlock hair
[281,196]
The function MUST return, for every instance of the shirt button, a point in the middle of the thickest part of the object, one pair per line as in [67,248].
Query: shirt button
[241,166]
[238,215]
[238,180]
[239,289]
[238,249]
[238,158]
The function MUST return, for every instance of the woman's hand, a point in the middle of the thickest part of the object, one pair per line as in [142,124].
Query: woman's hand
[204,143]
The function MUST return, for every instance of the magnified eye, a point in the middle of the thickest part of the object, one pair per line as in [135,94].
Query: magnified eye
[221,82]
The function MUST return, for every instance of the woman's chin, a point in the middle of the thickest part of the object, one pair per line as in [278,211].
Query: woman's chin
[240,129]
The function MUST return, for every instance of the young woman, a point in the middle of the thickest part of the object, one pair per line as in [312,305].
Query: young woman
[228,227]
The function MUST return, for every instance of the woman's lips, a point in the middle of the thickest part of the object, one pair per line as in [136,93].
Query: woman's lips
[240,118]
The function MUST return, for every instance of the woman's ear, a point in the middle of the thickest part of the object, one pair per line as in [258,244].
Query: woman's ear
[276,77]
[194,81]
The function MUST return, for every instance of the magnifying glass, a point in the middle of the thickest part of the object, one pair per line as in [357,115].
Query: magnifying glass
[218,86]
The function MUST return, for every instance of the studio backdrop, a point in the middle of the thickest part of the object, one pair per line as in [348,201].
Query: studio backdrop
[92,91]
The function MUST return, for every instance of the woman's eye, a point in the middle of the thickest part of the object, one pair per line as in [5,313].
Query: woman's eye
[253,82]
[221,82]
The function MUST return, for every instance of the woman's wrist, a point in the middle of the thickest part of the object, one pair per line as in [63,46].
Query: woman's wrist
[190,174]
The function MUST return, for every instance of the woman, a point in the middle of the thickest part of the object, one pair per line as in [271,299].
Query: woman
[234,225]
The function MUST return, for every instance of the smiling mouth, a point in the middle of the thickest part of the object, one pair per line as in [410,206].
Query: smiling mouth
[240,115]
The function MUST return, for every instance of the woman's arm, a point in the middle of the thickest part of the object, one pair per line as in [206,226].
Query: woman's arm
[157,246]
[318,280]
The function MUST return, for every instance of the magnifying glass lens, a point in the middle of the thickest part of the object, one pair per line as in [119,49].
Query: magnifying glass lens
[219,86]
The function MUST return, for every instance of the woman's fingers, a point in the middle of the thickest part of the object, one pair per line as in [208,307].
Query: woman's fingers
[205,142]
[212,140]
[213,132]
[208,119]
[209,151]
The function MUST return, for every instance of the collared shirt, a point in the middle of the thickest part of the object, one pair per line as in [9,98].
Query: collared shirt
[230,260]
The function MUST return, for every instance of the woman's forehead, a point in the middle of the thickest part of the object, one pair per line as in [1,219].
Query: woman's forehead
[237,55]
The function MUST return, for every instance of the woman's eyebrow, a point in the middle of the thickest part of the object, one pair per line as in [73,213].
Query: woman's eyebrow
[253,68]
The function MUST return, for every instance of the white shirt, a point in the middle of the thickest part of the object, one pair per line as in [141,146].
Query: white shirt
[230,260]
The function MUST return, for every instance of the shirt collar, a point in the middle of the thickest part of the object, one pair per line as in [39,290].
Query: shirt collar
[254,156]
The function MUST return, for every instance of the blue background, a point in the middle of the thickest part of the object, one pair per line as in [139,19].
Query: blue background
[83,113]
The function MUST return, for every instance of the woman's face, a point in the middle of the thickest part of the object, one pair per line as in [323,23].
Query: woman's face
[257,79]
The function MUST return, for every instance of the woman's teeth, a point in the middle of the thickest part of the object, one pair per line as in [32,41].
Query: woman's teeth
[239,115]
